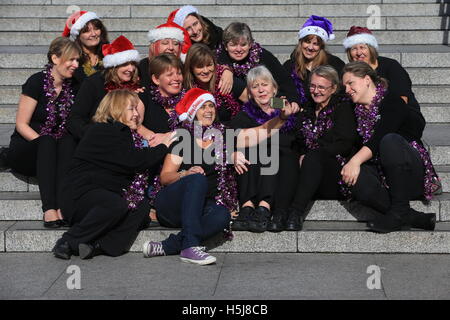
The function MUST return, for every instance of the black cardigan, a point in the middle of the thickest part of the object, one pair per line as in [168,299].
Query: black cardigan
[215,34]
[92,91]
[286,86]
[342,138]
[396,117]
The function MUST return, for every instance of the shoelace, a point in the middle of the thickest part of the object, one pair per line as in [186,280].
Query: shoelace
[157,249]
[200,251]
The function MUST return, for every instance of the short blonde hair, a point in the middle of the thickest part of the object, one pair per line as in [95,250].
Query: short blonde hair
[373,53]
[112,106]
[257,73]
[63,48]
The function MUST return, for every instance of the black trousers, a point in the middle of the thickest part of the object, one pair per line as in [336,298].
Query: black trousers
[47,159]
[404,173]
[103,216]
[319,177]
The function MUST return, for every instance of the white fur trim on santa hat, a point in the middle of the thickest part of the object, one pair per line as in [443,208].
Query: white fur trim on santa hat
[182,13]
[360,38]
[116,59]
[317,31]
[197,104]
[80,23]
[165,33]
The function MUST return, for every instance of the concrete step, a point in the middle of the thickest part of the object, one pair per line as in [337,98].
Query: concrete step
[116,9]
[263,37]
[342,237]
[419,76]
[22,206]
[255,23]
[436,136]
[436,113]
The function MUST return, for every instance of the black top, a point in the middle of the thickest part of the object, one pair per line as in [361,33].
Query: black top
[342,137]
[34,88]
[92,91]
[79,74]
[215,34]
[286,86]
[396,117]
[155,118]
[399,80]
[144,72]
[107,158]
[239,86]
[333,61]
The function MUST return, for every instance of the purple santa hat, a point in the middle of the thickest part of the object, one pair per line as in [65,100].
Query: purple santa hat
[319,26]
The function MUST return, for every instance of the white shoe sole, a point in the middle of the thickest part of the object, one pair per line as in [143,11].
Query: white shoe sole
[145,249]
[210,260]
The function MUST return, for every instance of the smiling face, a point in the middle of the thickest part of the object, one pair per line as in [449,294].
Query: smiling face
[194,28]
[169,82]
[321,89]
[206,114]
[262,90]
[310,47]
[64,69]
[126,71]
[90,38]
[360,52]
[238,49]
[357,88]
[130,115]
[204,74]
[171,46]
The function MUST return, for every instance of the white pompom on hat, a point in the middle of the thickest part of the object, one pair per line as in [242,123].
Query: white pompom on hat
[192,101]
[357,35]
[76,22]
[118,52]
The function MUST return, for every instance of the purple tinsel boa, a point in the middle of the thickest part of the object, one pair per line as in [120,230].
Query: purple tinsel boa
[134,194]
[241,69]
[257,114]
[57,109]
[299,86]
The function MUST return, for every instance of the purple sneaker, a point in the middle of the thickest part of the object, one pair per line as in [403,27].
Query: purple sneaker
[196,255]
[153,249]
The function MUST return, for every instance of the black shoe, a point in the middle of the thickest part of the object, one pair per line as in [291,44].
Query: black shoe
[241,222]
[259,220]
[421,220]
[63,223]
[88,251]
[278,221]
[3,163]
[294,220]
[51,224]
[62,249]
[390,222]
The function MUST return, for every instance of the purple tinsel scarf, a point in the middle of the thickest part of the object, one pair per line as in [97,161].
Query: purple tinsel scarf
[257,114]
[57,109]
[299,86]
[241,69]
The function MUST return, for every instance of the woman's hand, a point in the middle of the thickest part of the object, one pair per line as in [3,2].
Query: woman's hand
[226,82]
[140,90]
[240,163]
[289,109]
[166,138]
[350,173]
[194,170]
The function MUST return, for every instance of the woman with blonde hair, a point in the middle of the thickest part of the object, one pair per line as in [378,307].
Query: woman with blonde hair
[104,189]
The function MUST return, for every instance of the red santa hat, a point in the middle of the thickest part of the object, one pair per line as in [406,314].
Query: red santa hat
[191,102]
[170,30]
[357,35]
[178,16]
[76,22]
[119,52]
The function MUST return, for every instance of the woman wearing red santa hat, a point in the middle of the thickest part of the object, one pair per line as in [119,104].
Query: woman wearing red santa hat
[104,188]
[310,53]
[40,144]
[165,38]
[86,28]
[201,70]
[199,195]
[120,62]
[361,45]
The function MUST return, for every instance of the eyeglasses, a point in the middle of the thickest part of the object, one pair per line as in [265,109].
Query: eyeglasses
[312,87]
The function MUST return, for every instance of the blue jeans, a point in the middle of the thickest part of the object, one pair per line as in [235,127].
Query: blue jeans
[182,204]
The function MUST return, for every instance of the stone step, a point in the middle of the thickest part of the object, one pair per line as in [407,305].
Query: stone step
[263,37]
[23,206]
[419,76]
[436,136]
[342,237]
[256,23]
[117,9]
[410,56]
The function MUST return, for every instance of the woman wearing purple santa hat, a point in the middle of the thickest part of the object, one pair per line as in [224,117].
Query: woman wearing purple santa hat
[310,53]
[361,45]
[200,195]
[165,38]
[86,29]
